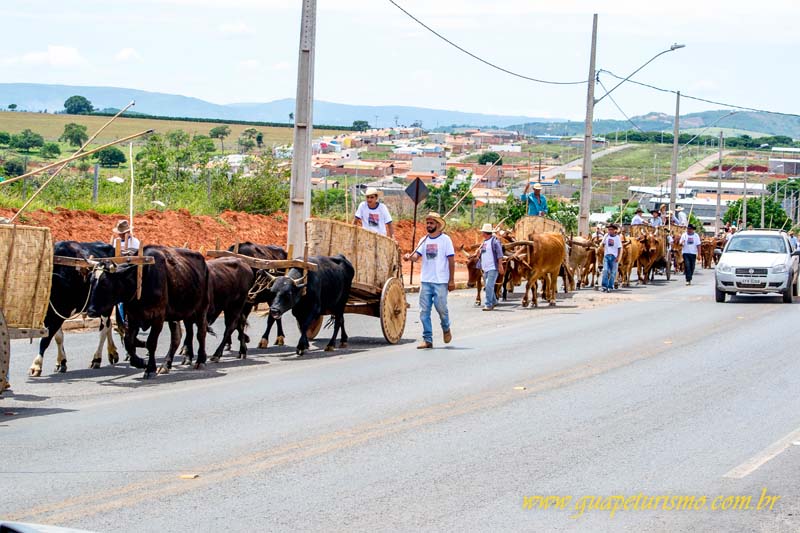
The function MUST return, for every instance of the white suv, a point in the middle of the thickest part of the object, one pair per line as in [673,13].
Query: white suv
[757,262]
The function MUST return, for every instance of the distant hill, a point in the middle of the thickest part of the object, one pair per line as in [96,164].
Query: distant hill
[39,97]
[758,123]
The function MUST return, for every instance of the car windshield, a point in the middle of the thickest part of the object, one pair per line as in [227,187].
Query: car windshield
[770,244]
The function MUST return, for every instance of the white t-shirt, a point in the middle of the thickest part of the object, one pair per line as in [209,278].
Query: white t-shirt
[656,222]
[435,254]
[681,218]
[129,242]
[374,219]
[637,220]
[613,245]
[487,255]
[690,243]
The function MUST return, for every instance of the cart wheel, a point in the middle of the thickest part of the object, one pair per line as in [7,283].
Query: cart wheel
[5,353]
[393,310]
[313,329]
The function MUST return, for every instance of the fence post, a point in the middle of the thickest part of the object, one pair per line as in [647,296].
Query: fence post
[96,184]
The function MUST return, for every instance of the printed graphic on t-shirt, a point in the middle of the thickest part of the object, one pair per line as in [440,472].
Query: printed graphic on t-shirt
[431,250]
[373,219]
[483,248]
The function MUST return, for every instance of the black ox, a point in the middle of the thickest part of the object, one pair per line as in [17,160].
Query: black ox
[323,292]
[231,280]
[69,293]
[176,288]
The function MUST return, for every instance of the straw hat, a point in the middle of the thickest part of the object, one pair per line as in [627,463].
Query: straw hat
[438,218]
[122,227]
[537,186]
[372,191]
[487,228]
[679,208]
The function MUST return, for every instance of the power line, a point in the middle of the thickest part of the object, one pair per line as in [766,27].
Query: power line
[484,61]
[617,105]
[733,106]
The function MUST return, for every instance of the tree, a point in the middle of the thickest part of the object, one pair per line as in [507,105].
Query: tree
[74,134]
[360,125]
[50,150]
[13,167]
[444,197]
[250,133]
[260,139]
[220,132]
[78,105]
[12,107]
[203,145]
[110,157]
[178,138]
[26,140]
[487,158]
[246,144]
[774,215]
[291,116]
[5,137]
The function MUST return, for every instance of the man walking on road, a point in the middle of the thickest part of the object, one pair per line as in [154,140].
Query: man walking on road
[690,242]
[437,278]
[612,244]
[490,262]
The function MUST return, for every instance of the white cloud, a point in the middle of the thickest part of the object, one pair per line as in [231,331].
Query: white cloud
[250,64]
[128,55]
[283,65]
[236,29]
[55,56]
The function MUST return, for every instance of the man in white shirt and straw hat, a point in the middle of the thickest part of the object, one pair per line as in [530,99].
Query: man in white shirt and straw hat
[490,262]
[373,214]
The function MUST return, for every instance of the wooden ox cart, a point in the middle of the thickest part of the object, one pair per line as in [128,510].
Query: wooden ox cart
[527,225]
[662,234]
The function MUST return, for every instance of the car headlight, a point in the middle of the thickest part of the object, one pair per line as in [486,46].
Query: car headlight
[724,269]
[779,269]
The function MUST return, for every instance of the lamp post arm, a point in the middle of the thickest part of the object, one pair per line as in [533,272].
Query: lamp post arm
[632,74]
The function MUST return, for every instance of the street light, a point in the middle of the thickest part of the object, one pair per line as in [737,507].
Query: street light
[586,181]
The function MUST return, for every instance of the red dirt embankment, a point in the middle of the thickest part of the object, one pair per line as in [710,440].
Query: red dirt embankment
[178,228]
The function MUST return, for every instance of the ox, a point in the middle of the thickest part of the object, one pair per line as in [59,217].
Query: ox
[707,246]
[260,293]
[580,249]
[231,280]
[652,254]
[544,255]
[313,294]
[475,275]
[631,250]
[176,288]
[69,293]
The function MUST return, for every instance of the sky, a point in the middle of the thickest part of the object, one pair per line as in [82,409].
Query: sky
[369,53]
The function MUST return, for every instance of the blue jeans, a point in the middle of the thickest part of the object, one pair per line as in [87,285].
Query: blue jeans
[489,280]
[432,295]
[609,271]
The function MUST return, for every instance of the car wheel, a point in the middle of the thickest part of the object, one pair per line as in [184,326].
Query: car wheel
[794,286]
[720,296]
[788,291]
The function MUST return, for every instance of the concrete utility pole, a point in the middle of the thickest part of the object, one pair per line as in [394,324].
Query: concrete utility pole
[586,179]
[300,190]
[719,188]
[744,198]
[673,183]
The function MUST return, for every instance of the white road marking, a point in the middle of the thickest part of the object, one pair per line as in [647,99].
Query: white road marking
[763,457]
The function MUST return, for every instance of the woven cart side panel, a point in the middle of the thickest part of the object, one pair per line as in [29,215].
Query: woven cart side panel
[535,224]
[26,271]
[373,256]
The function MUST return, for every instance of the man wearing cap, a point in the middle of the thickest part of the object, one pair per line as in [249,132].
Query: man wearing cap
[637,219]
[128,244]
[536,202]
[690,243]
[490,262]
[437,278]
[656,221]
[374,215]
[612,245]
[679,218]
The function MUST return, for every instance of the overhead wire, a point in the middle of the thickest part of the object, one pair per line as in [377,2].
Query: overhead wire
[484,61]
[617,106]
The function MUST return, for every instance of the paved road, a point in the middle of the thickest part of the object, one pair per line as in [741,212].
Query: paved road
[551,172]
[655,390]
[698,167]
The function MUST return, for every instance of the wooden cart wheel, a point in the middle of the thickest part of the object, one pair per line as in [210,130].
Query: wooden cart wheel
[313,329]
[393,310]
[5,353]
[668,270]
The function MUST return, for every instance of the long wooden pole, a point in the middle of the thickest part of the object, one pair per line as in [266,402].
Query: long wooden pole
[78,156]
[78,151]
[130,206]
[470,189]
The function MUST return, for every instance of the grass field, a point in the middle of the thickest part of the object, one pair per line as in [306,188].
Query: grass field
[728,132]
[52,126]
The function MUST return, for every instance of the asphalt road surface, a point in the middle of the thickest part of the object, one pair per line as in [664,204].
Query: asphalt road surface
[655,390]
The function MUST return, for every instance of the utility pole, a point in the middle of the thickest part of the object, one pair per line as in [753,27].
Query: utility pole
[586,179]
[673,184]
[744,199]
[763,194]
[719,187]
[300,189]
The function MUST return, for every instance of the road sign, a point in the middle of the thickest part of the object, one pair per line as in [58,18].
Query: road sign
[417,191]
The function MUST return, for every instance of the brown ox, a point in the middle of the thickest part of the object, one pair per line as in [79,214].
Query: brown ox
[475,275]
[707,252]
[580,249]
[631,250]
[653,251]
[539,258]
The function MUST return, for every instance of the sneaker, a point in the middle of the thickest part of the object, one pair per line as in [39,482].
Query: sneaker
[447,336]
[488,308]
[424,345]
[688,283]
[605,289]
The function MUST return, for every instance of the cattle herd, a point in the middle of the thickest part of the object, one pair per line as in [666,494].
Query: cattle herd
[183,288]
[544,257]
